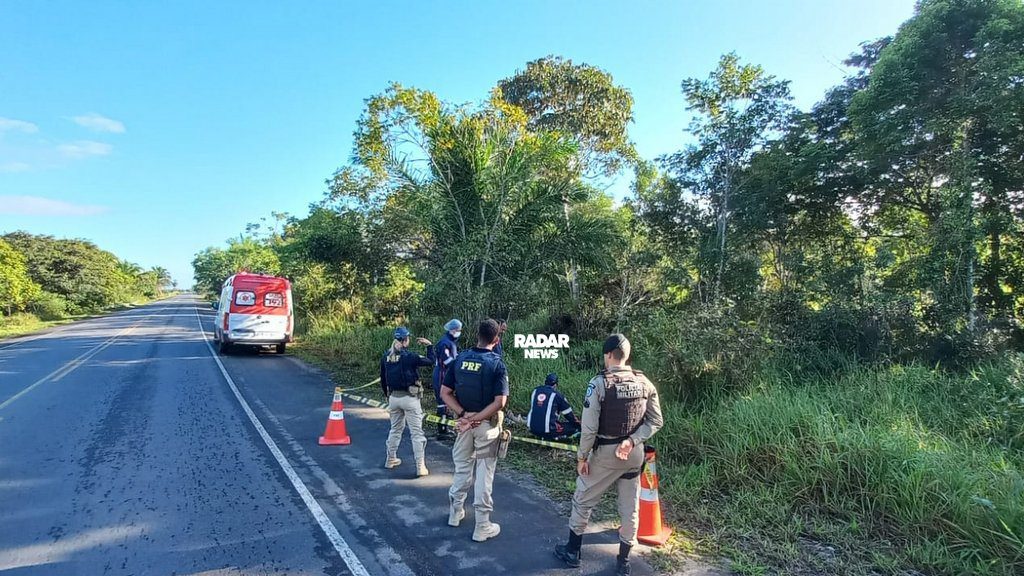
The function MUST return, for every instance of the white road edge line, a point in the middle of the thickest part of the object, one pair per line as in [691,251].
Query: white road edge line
[330,530]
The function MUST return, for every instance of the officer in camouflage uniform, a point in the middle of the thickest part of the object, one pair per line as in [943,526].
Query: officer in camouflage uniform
[620,412]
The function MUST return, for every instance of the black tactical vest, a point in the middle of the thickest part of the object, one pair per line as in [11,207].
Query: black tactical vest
[474,378]
[624,404]
[394,372]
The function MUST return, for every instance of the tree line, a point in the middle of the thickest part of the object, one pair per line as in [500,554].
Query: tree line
[53,278]
[885,222]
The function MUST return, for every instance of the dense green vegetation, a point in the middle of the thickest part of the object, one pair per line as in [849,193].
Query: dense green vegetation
[830,300]
[46,279]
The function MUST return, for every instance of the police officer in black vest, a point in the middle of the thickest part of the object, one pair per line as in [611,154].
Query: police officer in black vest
[400,381]
[620,412]
[476,390]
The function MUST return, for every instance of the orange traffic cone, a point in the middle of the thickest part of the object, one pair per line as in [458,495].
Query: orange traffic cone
[335,432]
[651,531]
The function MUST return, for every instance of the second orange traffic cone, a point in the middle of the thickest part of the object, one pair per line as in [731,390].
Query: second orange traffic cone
[335,432]
[651,531]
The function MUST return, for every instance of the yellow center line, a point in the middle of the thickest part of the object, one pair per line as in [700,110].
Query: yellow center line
[70,366]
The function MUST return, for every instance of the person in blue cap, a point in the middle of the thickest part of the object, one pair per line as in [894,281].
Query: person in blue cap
[547,409]
[400,381]
[445,351]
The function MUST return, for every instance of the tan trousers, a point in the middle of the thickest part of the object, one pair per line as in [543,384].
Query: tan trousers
[406,410]
[474,455]
[606,470]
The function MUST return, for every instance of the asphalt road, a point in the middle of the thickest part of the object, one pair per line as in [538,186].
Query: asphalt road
[126,447]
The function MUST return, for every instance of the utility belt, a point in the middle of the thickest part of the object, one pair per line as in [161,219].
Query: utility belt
[499,448]
[415,390]
[610,441]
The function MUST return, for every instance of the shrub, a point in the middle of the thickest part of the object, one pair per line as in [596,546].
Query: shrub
[696,355]
[49,306]
[894,452]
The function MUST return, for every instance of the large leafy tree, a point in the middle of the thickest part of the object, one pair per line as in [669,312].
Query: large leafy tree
[738,108]
[164,281]
[330,237]
[16,287]
[938,125]
[85,276]
[475,196]
[580,102]
[214,265]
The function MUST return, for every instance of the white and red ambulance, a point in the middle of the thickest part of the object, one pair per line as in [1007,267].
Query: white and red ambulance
[254,310]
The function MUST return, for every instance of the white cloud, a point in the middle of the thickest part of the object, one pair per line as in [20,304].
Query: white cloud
[99,123]
[19,125]
[84,149]
[37,206]
[14,167]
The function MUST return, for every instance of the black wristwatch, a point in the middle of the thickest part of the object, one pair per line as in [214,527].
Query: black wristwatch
[460,414]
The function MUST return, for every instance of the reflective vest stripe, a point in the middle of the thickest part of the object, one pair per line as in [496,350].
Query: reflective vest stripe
[529,415]
[547,416]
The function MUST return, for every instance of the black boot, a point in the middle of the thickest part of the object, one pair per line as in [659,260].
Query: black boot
[570,553]
[622,560]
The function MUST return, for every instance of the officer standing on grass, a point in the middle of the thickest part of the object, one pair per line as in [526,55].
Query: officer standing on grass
[620,412]
[400,381]
[476,390]
[446,351]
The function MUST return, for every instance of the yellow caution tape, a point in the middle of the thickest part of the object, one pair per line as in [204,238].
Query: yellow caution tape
[368,384]
[449,422]
[548,443]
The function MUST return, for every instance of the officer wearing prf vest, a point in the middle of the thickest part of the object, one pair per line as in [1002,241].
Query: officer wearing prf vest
[400,381]
[476,390]
[620,412]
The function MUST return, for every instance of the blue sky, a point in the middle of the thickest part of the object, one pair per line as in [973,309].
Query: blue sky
[155,129]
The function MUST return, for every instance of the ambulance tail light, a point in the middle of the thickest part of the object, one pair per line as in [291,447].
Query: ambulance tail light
[225,326]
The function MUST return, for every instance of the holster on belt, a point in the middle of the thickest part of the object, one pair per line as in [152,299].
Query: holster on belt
[416,390]
[498,448]
[498,419]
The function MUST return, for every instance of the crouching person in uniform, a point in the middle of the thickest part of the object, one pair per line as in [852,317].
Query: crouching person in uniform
[400,381]
[475,391]
[620,412]
[547,409]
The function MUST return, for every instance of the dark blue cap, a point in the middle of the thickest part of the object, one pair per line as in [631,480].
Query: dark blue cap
[551,380]
[401,333]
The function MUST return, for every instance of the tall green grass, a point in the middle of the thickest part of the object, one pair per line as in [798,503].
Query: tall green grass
[20,323]
[896,467]
[906,455]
